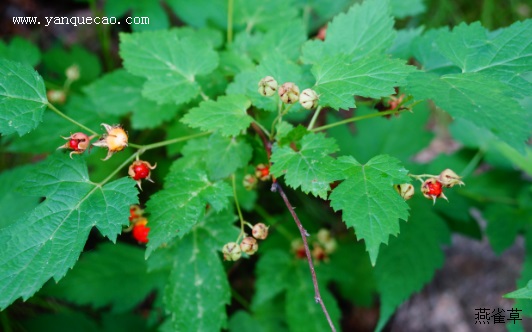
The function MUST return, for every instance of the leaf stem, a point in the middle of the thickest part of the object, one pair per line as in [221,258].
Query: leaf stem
[122,165]
[229,21]
[242,222]
[276,187]
[66,117]
[358,118]
[314,118]
[167,142]
[473,163]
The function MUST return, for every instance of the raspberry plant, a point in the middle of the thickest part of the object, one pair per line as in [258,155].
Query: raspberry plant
[247,114]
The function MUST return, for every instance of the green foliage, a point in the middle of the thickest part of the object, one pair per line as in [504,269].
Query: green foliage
[188,99]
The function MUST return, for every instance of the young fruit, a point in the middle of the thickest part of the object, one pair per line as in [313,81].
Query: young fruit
[449,179]
[262,172]
[327,241]
[267,86]
[406,190]
[309,99]
[249,182]
[135,212]
[260,231]
[432,189]
[140,170]
[56,96]
[72,73]
[289,93]
[140,232]
[77,142]
[249,245]
[114,140]
[231,251]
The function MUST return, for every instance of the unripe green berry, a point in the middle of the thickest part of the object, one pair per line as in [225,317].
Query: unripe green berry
[289,93]
[232,251]
[309,99]
[267,86]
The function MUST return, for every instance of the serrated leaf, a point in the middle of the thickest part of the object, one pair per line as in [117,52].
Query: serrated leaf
[368,201]
[119,93]
[48,240]
[22,98]
[505,54]
[504,224]
[13,205]
[366,29]
[402,8]
[274,272]
[20,50]
[410,260]
[429,56]
[169,62]
[285,39]
[521,293]
[201,13]
[228,115]
[156,15]
[303,313]
[338,79]
[264,15]
[226,155]
[310,168]
[107,276]
[476,98]
[182,203]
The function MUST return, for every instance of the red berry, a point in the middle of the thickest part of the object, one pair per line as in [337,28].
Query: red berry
[141,171]
[434,188]
[140,233]
[73,144]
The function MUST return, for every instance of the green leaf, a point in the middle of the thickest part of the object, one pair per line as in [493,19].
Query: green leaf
[228,115]
[56,60]
[366,29]
[476,98]
[504,224]
[303,313]
[404,42]
[368,201]
[169,62]
[201,13]
[402,8]
[429,56]
[410,260]
[182,203]
[505,54]
[107,276]
[274,274]
[61,322]
[521,293]
[20,50]
[284,39]
[226,155]
[60,225]
[119,93]
[22,98]
[338,79]
[310,168]
[198,290]
[264,15]
[152,10]
[241,321]
[13,205]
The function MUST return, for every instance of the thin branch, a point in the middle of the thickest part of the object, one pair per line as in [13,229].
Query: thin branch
[314,118]
[358,118]
[276,187]
[66,117]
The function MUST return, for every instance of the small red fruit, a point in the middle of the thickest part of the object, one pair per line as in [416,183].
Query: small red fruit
[140,233]
[135,212]
[262,172]
[73,143]
[432,189]
[140,170]
[77,142]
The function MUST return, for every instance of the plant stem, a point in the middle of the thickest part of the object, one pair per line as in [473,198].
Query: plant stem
[229,21]
[66,117]
[276,187]
[122,165]
[240,299]
[242,222]
[473,163]
[168,142]
[4,319]
[314,118]
[358,118]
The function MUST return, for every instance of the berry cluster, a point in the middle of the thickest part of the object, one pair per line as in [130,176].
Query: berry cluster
[288,93]
[432,187]
[232,251]
[138,224]
[262,172]
[322,246]
[114,140]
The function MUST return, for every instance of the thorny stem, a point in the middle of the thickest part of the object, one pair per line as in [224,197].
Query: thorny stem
[242,222]
[229,21]
[66,117]
[314,118]
[358,118]
[276,187]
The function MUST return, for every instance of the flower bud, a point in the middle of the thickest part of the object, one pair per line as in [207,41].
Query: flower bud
[72,73]
[262,172]
[289,93]
[406,190]
[449,179]
[267,86]
[432,189]
[231,251]
[250,182]
[309,99]
[114,140]
[260,231]
[77,142]
[56,96]
[249,245]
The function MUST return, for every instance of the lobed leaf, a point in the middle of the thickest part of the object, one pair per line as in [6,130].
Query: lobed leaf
[47,241]
[368,201]
[22,98]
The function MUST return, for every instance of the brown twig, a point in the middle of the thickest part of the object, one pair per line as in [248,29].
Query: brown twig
[276,187]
